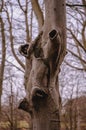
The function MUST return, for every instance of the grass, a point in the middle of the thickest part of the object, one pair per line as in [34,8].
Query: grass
[20,124]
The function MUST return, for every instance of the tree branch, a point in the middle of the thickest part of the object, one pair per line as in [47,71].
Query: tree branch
[73,5]
[77,56]
[1,6]
[18,68]
[73,66]
[11,41]
[77,40]
[21,6]
[38,13]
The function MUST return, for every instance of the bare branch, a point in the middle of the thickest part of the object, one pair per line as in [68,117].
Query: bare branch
[21,6]
[77,40]
[77,56]
[1,6]
[18,68]
[83,34]
[11,41]
[84,3]
[38,12]
[73,5]
[74,66]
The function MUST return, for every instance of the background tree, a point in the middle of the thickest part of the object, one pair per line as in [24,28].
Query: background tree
[3,50]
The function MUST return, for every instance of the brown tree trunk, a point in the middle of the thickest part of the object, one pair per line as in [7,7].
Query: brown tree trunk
[48,117]
[47,53]
[2,64]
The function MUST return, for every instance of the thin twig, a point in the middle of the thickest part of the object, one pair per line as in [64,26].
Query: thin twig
[82,69]
[73,5]
[77,56]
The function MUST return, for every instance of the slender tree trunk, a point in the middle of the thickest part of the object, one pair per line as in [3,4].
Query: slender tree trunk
[11,104]
[2,64]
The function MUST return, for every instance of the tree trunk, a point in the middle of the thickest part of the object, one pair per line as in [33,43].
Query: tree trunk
[2,64]
[47,53]
[48,117]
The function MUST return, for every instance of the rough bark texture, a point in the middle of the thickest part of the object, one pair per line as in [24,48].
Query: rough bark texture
[46,54]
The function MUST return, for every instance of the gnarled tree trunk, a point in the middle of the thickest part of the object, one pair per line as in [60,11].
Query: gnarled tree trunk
[47,53]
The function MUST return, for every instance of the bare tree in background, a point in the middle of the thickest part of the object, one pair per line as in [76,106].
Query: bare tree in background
[3,45]
[77,34]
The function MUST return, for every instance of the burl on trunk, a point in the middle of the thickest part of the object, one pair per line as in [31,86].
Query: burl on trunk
[46,54]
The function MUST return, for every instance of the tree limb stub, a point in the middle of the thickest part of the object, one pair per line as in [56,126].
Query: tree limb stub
[24,105]
[27,49]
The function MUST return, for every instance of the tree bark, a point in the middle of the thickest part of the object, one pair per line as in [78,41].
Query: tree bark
[47,53]
[2,64]
[48,118]
[38,13]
